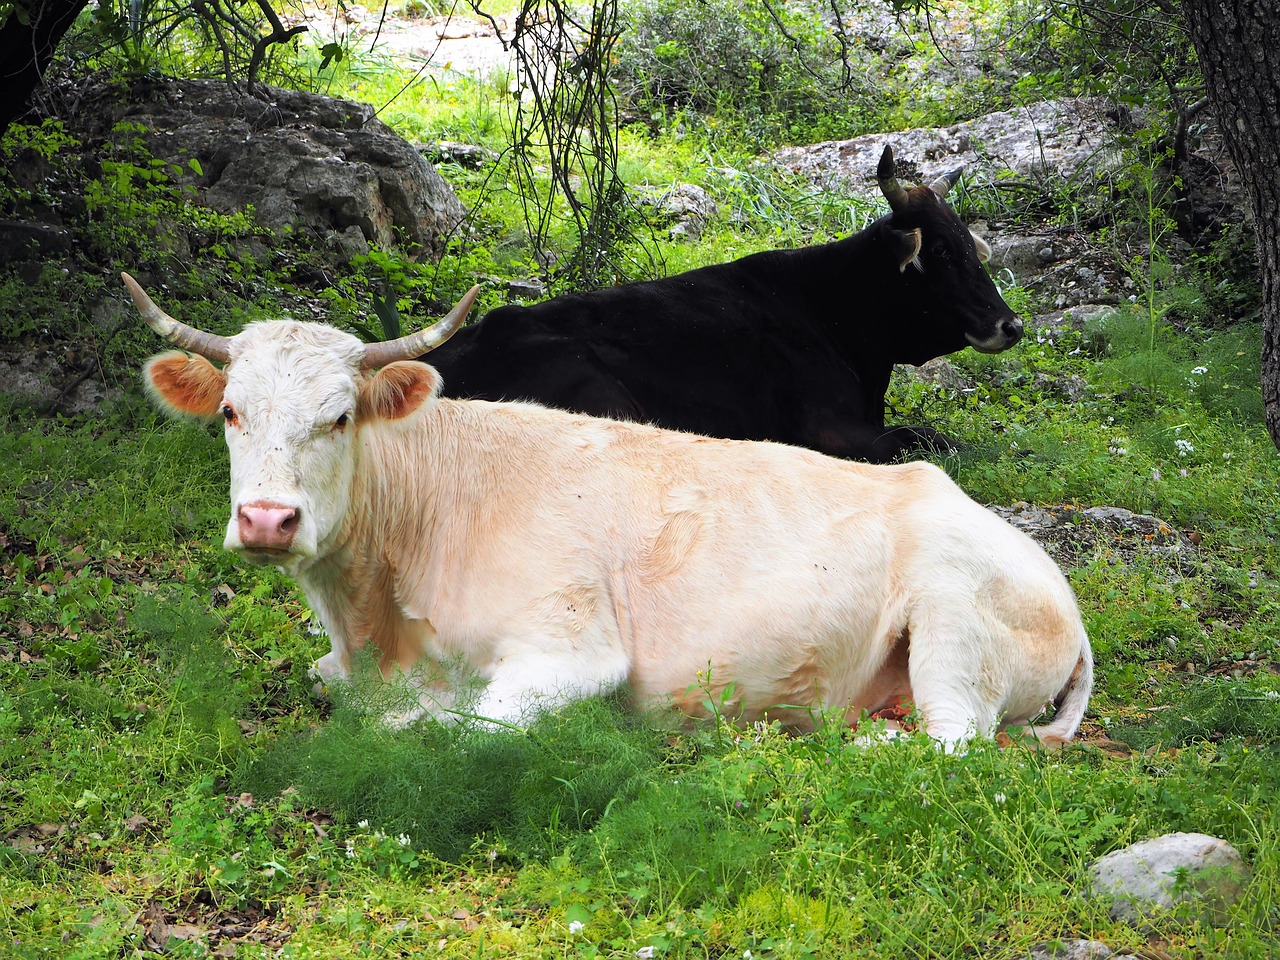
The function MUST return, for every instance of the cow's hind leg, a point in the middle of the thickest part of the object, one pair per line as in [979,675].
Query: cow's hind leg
[956,682]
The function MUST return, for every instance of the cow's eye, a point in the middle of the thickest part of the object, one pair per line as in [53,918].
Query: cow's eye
[340,423]
[939,250]
[229,414]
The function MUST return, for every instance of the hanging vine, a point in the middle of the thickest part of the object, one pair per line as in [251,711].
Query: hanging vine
[565,145]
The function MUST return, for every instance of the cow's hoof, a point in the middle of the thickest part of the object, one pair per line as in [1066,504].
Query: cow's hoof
[877,732]
[403,719]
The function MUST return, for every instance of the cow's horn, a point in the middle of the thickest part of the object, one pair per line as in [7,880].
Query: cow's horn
[946,182]
[889,185]
[416,344]
[208,345]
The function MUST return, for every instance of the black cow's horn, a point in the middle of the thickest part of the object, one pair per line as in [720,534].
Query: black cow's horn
[416,344]
[208,345]
[889,185]
[946,182]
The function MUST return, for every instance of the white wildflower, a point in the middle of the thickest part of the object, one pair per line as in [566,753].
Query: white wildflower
[575,926]
[1184,446]
[999,798]
[644,953]
[363,824]
[403,840]
[1197,371]
[351,849]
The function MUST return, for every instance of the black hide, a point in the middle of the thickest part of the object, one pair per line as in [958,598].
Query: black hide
[795,346]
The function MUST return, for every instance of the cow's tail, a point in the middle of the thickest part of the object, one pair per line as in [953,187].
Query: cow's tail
[1071,702]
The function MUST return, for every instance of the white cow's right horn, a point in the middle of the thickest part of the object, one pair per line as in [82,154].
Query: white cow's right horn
[415,344]
[208,345]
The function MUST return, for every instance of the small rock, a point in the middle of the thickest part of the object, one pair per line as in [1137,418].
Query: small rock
[1158,874]
[1071,950]
[686,206]
[939,371]
[526,289]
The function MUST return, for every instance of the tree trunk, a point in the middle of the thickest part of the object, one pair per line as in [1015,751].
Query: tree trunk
[1237,43]
[26,49]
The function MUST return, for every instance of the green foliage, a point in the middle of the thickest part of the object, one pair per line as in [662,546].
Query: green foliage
[766,78]
[1212,710]
[139,208]
[190,38]
[47,144]
[451,788]
[1136,51]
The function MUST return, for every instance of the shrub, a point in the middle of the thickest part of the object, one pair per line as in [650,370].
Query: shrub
[772,80]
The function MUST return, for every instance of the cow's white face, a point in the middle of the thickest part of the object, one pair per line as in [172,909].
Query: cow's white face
[289,410]
[293,400]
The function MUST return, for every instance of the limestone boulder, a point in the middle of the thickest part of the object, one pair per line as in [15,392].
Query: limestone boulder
[301,161]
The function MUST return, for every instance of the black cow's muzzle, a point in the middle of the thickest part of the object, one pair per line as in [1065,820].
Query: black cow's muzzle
[1006,335]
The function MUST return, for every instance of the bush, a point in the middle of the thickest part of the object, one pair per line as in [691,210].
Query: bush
[772,80]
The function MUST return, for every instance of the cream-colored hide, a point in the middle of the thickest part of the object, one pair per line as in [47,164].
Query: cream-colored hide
[560,556]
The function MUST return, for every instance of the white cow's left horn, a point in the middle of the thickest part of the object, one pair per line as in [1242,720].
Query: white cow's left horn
[208,345]
[416,344]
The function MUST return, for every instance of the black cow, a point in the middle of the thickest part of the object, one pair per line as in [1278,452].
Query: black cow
[789,345]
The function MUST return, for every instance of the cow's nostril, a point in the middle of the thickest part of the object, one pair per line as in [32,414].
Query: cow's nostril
[1012,329]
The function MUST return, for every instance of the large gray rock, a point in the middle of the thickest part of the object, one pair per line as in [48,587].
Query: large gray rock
[1056,138]
[302,161]
[1156,875]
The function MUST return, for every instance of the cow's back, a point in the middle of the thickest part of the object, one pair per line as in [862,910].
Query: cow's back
[724,351]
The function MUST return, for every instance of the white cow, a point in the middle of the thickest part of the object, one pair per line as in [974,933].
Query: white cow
[561,556]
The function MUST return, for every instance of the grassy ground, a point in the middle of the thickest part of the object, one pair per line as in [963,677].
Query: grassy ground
[169,783]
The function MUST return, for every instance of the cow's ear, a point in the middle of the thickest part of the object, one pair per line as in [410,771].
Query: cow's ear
[905,245]
[397,390]
[185,384]
[984,248]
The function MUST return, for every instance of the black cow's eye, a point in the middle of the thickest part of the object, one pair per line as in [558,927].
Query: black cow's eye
[228,413]
[341,422]
[938,250]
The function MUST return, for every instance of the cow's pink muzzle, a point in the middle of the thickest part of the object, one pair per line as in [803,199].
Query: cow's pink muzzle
[267,526]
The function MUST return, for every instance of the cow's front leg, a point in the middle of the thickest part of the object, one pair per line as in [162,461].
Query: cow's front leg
[330,668]
[520,687]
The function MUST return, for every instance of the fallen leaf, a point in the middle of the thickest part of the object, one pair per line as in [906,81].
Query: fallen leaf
[136,823]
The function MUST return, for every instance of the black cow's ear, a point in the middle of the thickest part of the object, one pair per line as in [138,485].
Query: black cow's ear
[984,248]
[905,245]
